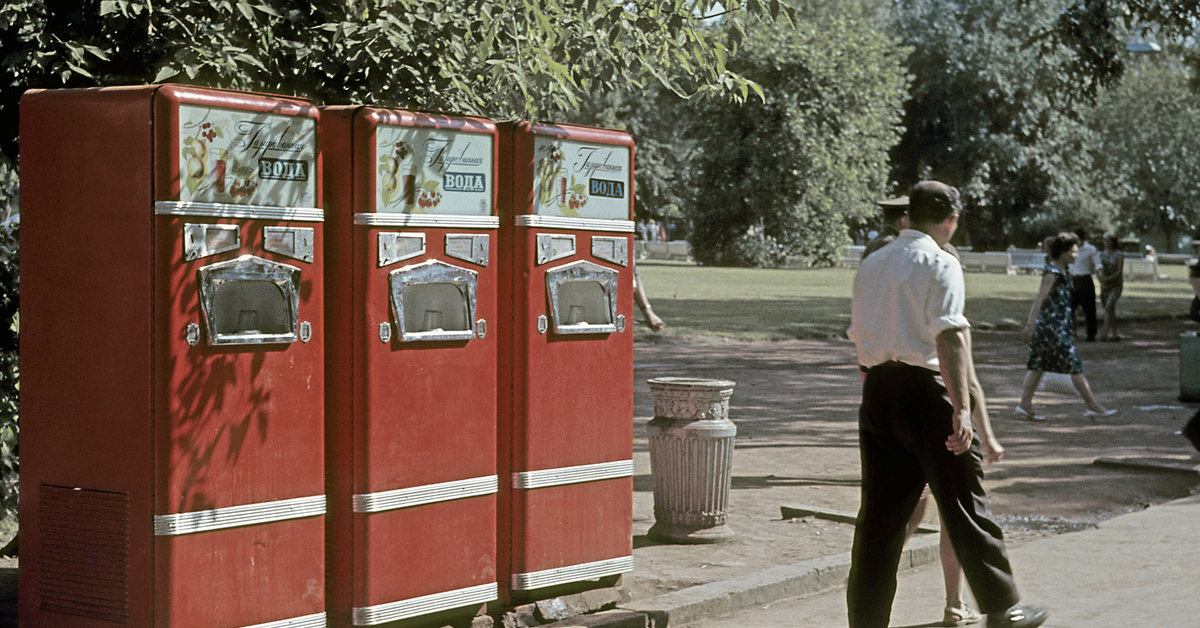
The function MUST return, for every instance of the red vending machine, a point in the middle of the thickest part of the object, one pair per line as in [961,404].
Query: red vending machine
[411,371]
[566,357]
[172,362]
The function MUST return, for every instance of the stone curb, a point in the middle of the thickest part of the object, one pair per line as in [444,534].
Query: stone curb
[764,587]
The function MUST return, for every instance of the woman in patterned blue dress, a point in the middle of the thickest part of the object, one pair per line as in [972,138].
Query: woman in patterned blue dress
[1050,332]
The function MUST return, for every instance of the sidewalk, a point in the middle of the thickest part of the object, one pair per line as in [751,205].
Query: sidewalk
[795,405]
[1132,571]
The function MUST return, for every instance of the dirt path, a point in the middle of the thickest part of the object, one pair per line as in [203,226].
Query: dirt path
[796,404]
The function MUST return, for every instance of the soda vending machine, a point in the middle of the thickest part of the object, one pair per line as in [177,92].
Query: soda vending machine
[412,336]
[172,360]
[566,359]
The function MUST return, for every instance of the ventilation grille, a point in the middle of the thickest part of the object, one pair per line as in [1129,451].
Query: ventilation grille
[83,553]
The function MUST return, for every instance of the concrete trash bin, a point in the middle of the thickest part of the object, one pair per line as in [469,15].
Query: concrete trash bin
[691,459]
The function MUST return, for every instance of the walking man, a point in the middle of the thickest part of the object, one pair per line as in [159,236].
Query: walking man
[915,427]
[1083,289]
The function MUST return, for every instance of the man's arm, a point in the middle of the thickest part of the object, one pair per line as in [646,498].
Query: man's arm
[954,361]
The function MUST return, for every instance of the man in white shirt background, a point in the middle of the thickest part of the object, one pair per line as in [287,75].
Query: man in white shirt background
[1083,289]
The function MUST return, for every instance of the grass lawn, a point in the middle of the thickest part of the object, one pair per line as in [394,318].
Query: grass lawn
[780,304]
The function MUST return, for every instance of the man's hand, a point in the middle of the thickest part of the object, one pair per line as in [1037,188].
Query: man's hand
[960,440]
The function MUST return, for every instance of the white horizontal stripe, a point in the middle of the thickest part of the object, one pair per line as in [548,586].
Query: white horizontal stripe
[225,210]
[574,573]
[427,220]
[393,611]
[308,621]
[427,494]
[572,475]
[568,222]
[238,516]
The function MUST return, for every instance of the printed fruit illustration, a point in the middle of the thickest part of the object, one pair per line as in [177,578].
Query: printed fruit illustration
[194,156]
[389,169]
[574,198]
[428,195]
[547,174]
[195,168]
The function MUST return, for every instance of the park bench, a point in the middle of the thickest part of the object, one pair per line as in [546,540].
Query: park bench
[852,255]
[1143,270]
[986,262]
[1030,261]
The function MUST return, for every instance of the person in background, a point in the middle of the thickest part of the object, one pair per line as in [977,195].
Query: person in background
[1083,289]
[1149,253]
[1112,283]
[915,423]
[1194,280]
[639,297]
[1051,340]
[895,220]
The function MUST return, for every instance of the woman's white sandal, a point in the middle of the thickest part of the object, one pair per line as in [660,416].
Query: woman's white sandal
[960,616]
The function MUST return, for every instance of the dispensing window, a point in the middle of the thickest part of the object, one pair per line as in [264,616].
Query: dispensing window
[250,300]
[433,301]
[583,298]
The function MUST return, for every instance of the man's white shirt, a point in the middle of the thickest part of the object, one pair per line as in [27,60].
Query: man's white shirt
[905,295]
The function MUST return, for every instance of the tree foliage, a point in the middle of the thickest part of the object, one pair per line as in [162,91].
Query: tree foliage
[992,116]
[764,180]
[1149,147]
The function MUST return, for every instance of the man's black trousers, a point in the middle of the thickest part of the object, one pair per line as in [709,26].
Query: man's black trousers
[904,421]
[1083,294]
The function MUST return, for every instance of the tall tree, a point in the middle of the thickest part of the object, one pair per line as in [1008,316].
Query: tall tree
[1149,148]
[988,114]
[780,176]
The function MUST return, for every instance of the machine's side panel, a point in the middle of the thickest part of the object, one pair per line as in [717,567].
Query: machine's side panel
[86,358]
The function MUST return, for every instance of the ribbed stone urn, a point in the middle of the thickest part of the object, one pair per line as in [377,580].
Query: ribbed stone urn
[691,459]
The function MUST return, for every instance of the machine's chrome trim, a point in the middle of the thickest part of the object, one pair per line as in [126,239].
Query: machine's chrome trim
[433,272]
[249,268]
[397,247]
[192,334]
[305,331]
[427,494]
[424,605]
[609,249]
[581,272]
[581,224]
[543,324]
[620,323]
[573,573]
[552,246]
[308,621]
[481,329]
[197,244]
[427,220]
[385,332]
[572,475]
[469,247]
[301,246]
[238,516]
[225,210]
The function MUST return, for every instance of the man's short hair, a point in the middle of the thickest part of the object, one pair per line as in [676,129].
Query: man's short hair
[1061,243]
[932,202]
[1081,234]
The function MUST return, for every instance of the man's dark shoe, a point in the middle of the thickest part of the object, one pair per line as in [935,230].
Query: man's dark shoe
[1191,431]
[1018,617]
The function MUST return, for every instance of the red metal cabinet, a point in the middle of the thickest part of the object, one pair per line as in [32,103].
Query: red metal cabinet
[566,360]
[172,360]
[411,374]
